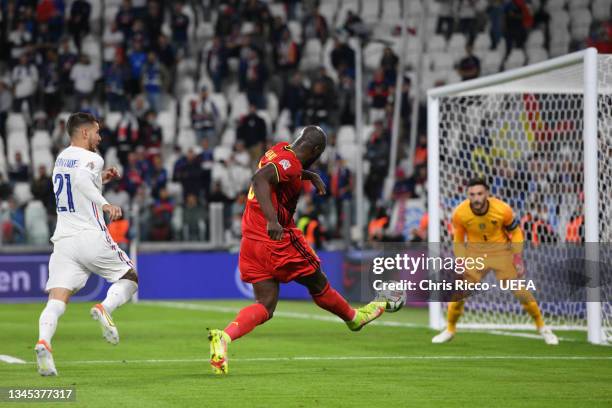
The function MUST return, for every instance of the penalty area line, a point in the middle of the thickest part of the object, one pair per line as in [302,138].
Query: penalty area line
[345,358]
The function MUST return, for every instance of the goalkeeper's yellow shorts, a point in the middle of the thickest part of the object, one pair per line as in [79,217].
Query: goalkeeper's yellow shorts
[501,264]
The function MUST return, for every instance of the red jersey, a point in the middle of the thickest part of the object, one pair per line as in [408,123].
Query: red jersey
[284,195]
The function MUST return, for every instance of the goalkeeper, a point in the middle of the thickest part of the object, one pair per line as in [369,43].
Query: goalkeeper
[490,227]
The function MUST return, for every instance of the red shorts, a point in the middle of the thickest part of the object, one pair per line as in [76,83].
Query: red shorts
[283,260]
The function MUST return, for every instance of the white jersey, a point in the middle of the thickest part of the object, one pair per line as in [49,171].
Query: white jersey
[77,183]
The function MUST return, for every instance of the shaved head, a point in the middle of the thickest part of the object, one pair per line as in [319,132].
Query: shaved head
[313,136]
[309,144]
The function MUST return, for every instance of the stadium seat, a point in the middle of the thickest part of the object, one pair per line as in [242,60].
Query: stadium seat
[580,24]
[482,43]
[436,44]
[112,119]
[311,55]
[110,158]
[221,153]
[536,55]
[491,62]
[372,54]
[42,157]
[536,39]
[601,9]
[22,193]
[296,31]
[452,77]
[328,10]
[284,119]
[184,86]
[272,102]
[370,11]
[185,109]
[204,31]
[175,190]
[187,139]
[456,45]
[327,49]
[240,107]
[167,121]
[415,9]
[37,229]
[266,117]
[229,137]
[555,5]
[391,10]
[41,139]
[221,103]
[578,4]
[15,122]
[352,5]
[516,59]
[17,142]
[350,153]
[367,131]
[431,23]
[345,136]
[442,61]
[278,10]
[559,19]
[282,134]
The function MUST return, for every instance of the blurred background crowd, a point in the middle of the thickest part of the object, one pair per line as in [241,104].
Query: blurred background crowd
[190,94]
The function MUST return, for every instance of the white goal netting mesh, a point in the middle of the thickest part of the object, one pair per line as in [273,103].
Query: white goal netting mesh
[529,147]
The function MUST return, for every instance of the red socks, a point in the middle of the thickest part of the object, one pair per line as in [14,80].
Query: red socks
[332,301]
[247,319]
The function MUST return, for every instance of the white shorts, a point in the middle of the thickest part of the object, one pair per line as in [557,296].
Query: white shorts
[75,258]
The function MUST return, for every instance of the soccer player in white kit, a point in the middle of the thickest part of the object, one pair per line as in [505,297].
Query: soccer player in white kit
[81,241]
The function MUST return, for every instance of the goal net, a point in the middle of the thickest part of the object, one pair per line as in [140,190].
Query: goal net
[534,134]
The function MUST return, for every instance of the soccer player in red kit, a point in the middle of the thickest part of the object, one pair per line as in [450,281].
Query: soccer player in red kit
[273,250]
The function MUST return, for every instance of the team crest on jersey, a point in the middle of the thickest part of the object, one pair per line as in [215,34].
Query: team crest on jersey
[270,154]
[285,163]
[90,165]
[494,222]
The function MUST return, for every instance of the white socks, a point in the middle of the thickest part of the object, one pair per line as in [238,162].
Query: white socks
[118,294]
[48,319]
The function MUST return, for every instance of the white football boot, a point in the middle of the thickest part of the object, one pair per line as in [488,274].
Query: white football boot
[44,359]
[109,330]
[443,337]
[548,336]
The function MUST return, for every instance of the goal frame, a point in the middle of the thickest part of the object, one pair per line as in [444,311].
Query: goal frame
[588,59]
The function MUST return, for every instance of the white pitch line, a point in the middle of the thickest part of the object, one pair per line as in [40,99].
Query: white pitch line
[344,358]
[11,360]
[524,335]
[292,315]
[334,319]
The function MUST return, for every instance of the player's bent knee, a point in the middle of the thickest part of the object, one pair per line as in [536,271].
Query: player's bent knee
[131,275]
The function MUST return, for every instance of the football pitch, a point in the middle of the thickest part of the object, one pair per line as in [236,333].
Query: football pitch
[303,357]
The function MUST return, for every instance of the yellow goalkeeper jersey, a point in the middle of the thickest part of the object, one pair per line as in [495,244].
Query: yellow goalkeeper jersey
[492,227]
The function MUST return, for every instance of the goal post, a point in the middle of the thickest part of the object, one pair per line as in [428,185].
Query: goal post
[543,133]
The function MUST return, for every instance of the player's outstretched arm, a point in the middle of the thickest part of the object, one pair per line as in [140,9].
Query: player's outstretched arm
[262,180]
[110,174]
[85,184]
[315,179]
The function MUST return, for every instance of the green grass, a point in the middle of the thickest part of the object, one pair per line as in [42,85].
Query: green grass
[402,367]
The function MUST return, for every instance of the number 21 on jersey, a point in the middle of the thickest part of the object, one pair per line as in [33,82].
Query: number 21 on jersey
[58,186]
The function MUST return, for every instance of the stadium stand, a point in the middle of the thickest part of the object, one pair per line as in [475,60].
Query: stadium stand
[201,65]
